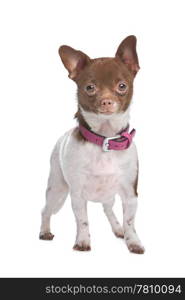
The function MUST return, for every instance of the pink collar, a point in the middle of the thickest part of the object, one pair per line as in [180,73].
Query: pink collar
[119,142]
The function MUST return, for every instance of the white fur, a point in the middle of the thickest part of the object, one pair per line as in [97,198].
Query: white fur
[89,174]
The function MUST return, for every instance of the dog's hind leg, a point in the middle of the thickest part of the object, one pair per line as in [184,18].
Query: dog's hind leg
[56,193]
[116,227]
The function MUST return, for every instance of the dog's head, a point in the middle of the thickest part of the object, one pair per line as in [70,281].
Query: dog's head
[105,85]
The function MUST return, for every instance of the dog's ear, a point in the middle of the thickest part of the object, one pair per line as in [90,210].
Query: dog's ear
[73,60]
[127,54]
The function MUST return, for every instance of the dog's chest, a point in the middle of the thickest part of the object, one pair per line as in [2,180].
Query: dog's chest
[103,174]
[102,163]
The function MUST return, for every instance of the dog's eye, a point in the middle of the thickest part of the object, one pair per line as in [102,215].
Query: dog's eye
[90,89]
[122,87]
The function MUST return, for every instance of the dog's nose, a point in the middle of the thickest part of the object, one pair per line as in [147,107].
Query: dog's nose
[106,103]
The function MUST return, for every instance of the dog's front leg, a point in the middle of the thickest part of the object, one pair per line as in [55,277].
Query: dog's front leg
[116,227]
[83,237]
[129,200]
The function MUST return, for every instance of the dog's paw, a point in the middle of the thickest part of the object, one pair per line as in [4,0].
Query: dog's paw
[119,233]
[82,246]
[136,248]
[47,236]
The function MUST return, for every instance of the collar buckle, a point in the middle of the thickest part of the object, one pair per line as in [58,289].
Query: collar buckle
[106,140]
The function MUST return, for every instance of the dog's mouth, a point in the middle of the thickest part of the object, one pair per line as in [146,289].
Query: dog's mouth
[106,112]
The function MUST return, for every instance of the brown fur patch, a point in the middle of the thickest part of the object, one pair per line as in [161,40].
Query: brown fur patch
[105,74]
[77,134]
[48,236]
[137,249]
[119,235]
[82,247]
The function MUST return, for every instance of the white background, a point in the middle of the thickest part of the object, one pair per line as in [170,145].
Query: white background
[37,106]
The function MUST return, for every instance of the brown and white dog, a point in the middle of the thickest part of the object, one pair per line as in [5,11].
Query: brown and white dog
[82,167]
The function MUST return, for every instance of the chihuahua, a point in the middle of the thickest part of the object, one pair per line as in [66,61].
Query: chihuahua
[97,159]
